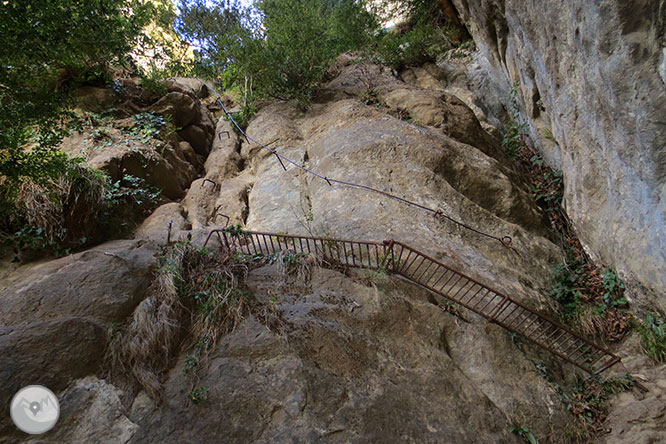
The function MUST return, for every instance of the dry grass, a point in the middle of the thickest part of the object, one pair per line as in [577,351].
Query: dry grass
[295,265]
[609,326]
[143,351]
[68,210]
[197,297]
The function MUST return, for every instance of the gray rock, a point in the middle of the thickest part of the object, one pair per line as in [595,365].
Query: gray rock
[198,138]
[181,107]
[355,366]
[104,283]
[50,353]
[90,411]
[597,68]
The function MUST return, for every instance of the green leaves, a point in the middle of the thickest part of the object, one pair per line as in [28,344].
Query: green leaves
[566,287]
[524,432]
[653,336]
[612,286]
[48,47]
[284,46]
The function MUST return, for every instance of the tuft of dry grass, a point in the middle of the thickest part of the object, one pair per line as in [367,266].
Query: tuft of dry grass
[197,296]
[68,208]
[295,265]
[143,351]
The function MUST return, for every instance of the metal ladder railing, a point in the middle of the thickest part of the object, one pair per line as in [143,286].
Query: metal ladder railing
[432,275]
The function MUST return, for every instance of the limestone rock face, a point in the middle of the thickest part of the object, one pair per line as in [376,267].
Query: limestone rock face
[348,370]
[189,114]
[50,353]
[590,76]
[358,361]
[55,316]
[463,172]
[121,146]
[358,357]
[90,411]
[105,283]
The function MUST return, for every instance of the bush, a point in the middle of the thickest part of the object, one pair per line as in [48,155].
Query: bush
[73,209]
[287,56]
[47,47]
[653,336]
[59,214]
[419,45]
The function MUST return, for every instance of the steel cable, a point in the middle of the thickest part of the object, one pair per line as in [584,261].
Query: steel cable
[505,240]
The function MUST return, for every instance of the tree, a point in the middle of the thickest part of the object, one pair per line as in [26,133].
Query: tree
[285,46]
[46,47]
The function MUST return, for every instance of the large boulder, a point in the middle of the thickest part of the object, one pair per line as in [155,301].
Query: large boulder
[56,316]
[189,114]
[104,283]
[343,138]
[181,107]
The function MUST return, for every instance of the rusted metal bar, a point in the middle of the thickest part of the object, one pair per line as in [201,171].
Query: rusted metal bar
[440,277]
[432,275]
[490,300]
[453,285]
[462,296]
[483,298]
[351,247]
[268,250]
[419,267]
[614,360]
[425,270]
[474,295]
[225,216]
[254,246]
[494,306]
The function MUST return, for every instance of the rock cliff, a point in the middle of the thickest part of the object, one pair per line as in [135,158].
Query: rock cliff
[592,81]
[359,357]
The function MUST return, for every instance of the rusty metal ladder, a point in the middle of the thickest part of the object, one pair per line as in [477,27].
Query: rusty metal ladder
[436,277]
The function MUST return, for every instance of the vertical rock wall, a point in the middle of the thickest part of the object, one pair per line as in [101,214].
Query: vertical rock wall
[592,78]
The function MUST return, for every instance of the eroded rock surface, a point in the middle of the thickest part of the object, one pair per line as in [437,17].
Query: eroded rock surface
[359,357]
[590,78]
[355,364]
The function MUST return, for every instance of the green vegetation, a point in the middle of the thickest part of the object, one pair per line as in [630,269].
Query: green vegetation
[48,199]
[57,214]
[199,290]
[589,299]
[199,394]
[78,204]
[613,288]
[235,230]
[284,58]
[275,49]
[282,48]
[568,282]
[652,330]
[421,44]
[512,140]
[588,399]
[524,432]
[48,48]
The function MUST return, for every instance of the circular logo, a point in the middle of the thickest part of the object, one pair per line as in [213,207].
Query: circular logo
[35,409]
